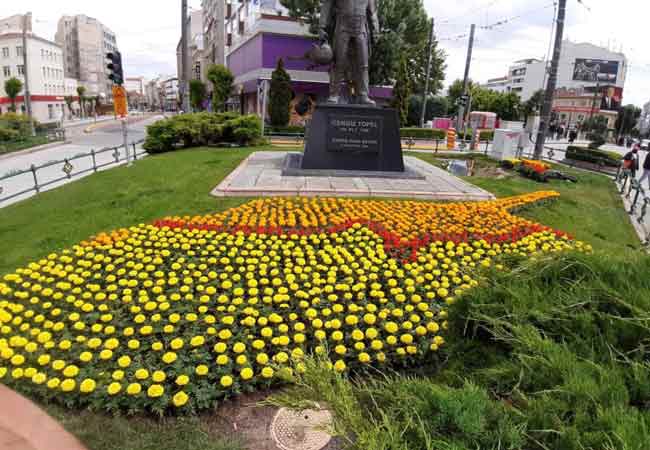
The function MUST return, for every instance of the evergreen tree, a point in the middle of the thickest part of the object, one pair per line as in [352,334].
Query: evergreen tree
[402,91]
[280,95]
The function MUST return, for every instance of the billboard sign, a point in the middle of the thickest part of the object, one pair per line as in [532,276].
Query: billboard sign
[595,70]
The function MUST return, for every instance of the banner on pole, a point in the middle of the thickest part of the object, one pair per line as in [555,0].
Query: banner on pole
[119,101]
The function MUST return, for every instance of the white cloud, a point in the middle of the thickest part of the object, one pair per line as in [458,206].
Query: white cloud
[148,31]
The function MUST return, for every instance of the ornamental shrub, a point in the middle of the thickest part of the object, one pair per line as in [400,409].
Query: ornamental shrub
[600,157]
[280,94]
[423,133]
[190,130]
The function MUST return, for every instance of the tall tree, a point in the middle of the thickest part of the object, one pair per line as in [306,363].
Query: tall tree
[405,30]
[437,106]
[533,104]
[221,78]
[197,94]
[81,91]
[280,95]
[627,119]
[13,86]
[68,101]
[402,91]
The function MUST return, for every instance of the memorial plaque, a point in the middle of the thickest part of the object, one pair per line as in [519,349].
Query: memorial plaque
[347,133]
[350,137]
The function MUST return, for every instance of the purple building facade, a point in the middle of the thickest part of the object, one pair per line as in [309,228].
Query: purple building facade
[256,40]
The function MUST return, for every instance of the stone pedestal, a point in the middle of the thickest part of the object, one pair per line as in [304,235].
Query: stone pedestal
[348,137]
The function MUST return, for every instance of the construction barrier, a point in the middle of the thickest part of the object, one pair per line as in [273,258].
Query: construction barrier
[451,139]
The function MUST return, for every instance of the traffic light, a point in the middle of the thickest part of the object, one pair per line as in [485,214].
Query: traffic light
[115,67]
[462,100]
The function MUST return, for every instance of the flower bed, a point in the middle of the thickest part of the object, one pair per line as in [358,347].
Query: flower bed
[187,310]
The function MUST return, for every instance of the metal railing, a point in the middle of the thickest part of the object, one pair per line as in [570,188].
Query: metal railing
[118,154]
[632,190]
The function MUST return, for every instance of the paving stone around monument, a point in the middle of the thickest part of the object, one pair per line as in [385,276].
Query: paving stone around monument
[261,175]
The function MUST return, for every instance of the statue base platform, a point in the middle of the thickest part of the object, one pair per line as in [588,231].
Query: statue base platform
[353,138]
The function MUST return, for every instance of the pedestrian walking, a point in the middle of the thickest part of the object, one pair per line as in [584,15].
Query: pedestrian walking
[631,161]
[573,134]
[646,170]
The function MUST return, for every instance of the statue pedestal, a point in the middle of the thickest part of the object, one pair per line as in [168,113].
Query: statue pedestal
[350,137]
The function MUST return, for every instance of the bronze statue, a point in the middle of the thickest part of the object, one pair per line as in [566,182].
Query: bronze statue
[355,26]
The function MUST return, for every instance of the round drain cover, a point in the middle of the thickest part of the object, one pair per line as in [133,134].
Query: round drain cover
[301,430]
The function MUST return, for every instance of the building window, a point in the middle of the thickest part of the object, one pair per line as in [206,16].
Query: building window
[21,70]
[50,111]
[7,71]
[19,51]
[5,52]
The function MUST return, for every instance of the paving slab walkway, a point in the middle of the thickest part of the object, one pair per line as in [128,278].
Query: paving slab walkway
[24,426]
[261,175]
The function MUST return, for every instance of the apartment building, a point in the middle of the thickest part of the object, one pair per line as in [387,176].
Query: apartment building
[214,23]
[581,65]
[45,61]
[85,42]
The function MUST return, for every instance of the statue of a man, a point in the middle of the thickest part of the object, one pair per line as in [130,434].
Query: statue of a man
[355,26]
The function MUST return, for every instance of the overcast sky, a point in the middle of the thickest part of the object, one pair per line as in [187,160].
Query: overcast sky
[148,31]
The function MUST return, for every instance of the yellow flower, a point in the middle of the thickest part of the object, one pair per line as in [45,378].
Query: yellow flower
[169,357]
[202,370]
[180,399]
[142,374]
[197,341]
[246,373]
[52,383]
[267,372]
[262,358]
[71,371]
[134,389]
[114,388]
[39,378]
[339,366]
[226,381]
[87,386]
[68,385]
[222,360]
[182,380]
[158,376]
[155,391]
[220,347]
[86,356]
[124,361]
[364,357]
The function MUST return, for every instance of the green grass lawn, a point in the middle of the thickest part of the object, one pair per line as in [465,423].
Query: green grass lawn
[179,183]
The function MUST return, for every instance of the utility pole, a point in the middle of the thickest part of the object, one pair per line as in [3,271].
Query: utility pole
[552,82]
[28,96]
[185,66]
[470,48]
[425,94]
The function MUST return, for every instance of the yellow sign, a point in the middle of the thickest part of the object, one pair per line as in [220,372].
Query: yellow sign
[119,101]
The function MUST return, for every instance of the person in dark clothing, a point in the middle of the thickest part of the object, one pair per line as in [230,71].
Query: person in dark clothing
[631,161]
[573,134]
[646,170]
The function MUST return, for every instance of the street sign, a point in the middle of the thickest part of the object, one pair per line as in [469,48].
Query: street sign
[119,101]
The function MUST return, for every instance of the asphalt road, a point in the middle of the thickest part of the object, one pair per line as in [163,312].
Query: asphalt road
[107,134]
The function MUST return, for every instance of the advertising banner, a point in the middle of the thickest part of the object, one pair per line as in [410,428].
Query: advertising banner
[595,70]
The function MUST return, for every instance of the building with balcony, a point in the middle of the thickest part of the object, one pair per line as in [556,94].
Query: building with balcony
[85,42]
[581,65]
[45,62]
[214,32]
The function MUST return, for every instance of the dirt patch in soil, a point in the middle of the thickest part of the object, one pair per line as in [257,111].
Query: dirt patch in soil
[248,422]
[491,172]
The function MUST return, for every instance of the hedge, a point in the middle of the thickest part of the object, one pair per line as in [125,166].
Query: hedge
[610,159]
[289,129]
[205,128]
[423,133]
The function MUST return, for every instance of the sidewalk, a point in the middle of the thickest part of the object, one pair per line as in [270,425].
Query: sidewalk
[24,426]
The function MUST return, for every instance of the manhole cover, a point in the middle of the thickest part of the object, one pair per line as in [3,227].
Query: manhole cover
[301,430]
